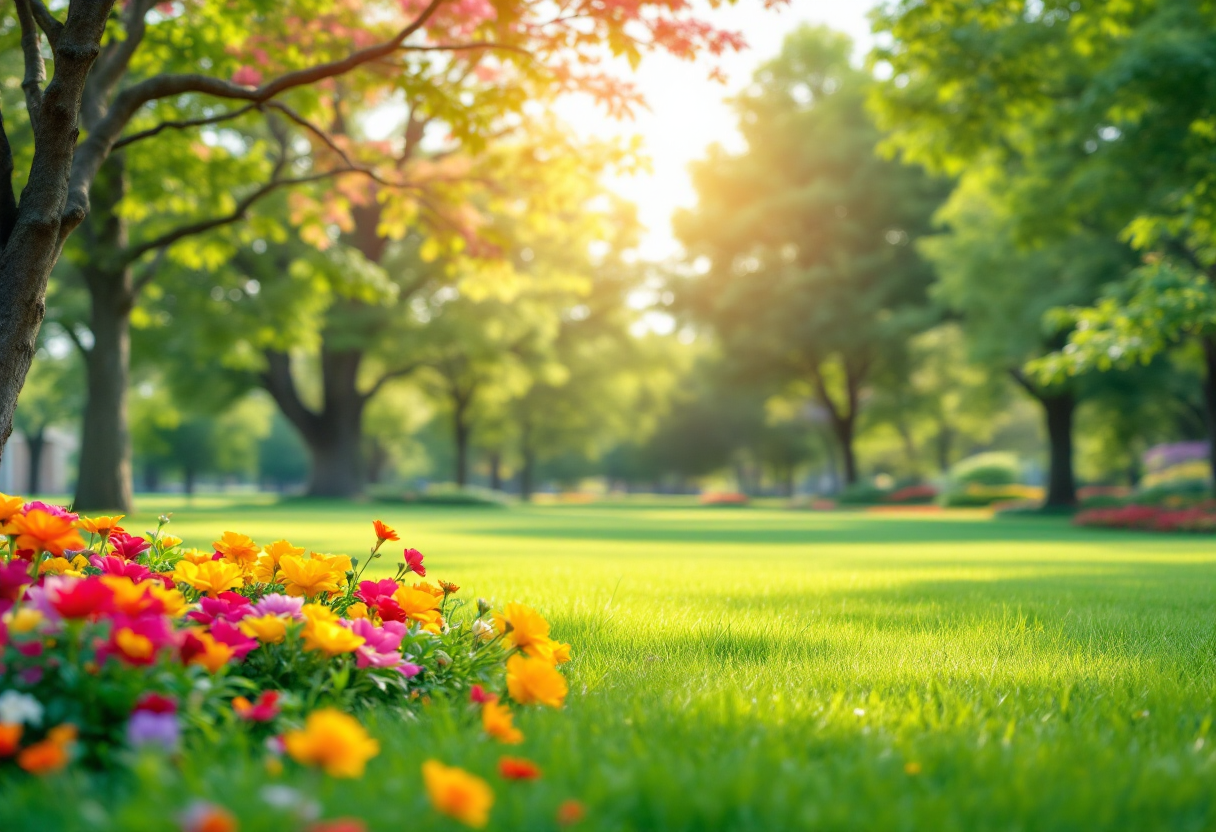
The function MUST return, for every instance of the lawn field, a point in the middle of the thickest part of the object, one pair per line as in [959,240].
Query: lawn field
[757,669]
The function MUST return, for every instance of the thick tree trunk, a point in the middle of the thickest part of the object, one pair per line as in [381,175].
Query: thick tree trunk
[496,471]
[843,430]
[1061,487]
[104,481]
[945,443]
[35,442]
[151,478]
[461,432]
[1209,402]
[188,479]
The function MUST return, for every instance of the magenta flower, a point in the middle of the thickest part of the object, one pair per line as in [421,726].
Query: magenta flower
[373,593]
[381,646]
[277,603]
[136,641]
[111,565]
[128,546]
[58,511]
[13,576]
[228,633]
[413,562]
[228,606]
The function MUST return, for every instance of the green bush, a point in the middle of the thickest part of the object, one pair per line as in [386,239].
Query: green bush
[1175,493]
[992,468]
[861,494]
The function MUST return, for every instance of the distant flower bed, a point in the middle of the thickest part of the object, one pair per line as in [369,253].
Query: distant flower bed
[912,495]
[976,495]
[1197,518]
[724,498]
[131,643]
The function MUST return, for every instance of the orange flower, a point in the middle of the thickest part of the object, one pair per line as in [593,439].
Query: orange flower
[238,549]
[535,681]
[43,531]
[448,587]
[420,606]
[9,507]
[196,556]
[267,568]
[458,794]
[100,525]
[202,648]
[51,754]
[333,741]
[10,738]
[496,719]
[570,813]
[423,586]
[383,532]
[207,817]
[524,627]
[211,576]
[517,768]
[309,578]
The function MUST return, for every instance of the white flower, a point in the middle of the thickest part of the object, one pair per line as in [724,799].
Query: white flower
[483,629]
[286,799]
[20,709]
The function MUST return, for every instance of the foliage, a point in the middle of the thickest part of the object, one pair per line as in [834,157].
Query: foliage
[993,468]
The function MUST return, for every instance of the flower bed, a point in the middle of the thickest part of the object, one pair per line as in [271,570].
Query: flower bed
[124,645]
[1198,518]
[724,498]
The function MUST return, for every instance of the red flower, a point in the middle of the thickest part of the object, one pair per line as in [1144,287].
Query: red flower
[80,598]
[13,576]
[156,704]
[517,768]
[127,546]
[570,812]
[112,565]
[264,709]
[480,695]
[413,562]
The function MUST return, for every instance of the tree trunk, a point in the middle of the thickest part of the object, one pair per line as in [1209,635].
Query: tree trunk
[461,432]
[188,477]
[1061,488]
[1209,402]
[104,482]
[842,429]
[152,478]
[945,442]
[527,471]
[35,442]
[496,471]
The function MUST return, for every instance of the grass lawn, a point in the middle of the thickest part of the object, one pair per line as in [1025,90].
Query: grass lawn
[766,670]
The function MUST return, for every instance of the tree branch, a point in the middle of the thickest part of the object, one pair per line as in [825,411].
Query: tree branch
[183,125]
[8,199]
[400,372]
[46,22]
[94,150]
[149,272]
[282,388]
[35,68]
[111,65]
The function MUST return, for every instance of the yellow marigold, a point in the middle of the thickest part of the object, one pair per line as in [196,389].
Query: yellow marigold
[210,577]
[174,602]
[42,531]
[80,562]
[100,525]
[9,506]
[56,566]
[525,628]
[423,586]
[266,569]
[333,741]
[420,606]
[211,654]
[169,541]
[341,564]
[308,578]
[23,620]
[497,720]
[268,629]
[458,794]
[561,652]
[318,612]
[237,548]
[331,638]
[197,556]
[357,610]
[535,681]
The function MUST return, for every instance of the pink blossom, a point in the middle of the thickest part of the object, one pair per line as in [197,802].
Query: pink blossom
[277,603]
[227,633]
[128,546]
[381,645]
[413,562]
[58,511]
[111,565]
[228,606]
[247,76]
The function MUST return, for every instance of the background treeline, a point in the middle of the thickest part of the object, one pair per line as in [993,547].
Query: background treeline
[993,237]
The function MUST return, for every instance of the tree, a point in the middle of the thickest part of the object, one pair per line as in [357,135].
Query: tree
[51,397]
[143,73]
[812,272]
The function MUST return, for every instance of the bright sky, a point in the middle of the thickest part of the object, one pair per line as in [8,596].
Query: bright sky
[688,112]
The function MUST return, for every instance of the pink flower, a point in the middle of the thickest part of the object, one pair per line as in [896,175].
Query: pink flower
[278,604]
[128,546]
[263,709]
[227,606]
[156,703]
[480,695]
[373,592]
[136,640]
[227,633]
[58,511]
[13,576]
[112,565]
[413,562]
[381,646]
[247,76]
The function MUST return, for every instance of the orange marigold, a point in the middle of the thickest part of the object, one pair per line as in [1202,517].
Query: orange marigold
[42,531]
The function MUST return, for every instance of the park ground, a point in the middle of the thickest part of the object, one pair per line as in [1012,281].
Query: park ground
[761,669]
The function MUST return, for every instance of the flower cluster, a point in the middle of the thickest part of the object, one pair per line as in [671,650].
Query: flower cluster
[1198,518]
[114,644]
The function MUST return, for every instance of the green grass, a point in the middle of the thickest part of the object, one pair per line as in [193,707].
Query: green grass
[770,670]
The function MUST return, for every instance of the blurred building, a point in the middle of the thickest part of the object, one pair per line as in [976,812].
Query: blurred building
[56,467]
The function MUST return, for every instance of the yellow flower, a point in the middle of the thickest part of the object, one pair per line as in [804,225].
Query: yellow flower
[423,586]
[330,638]
[496,719]
[197,556]
[357,610]
[420,606]
[267,568]
[526,629]
[238,549]
[173,600]
[133,645]
[340,564]
[100,525]
[9,506]
[213,655]
[333,741]
[211,577]
[308,578]
[56,566]
[42,531]
[79,562]
[268,629]
[458,794]
[535,680]
[169,541]
[23,620]
[318,612]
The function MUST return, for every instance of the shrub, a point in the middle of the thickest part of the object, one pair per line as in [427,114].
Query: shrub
[912,495]
[993,468]
[1197,518]
[981,496]
[862,494]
